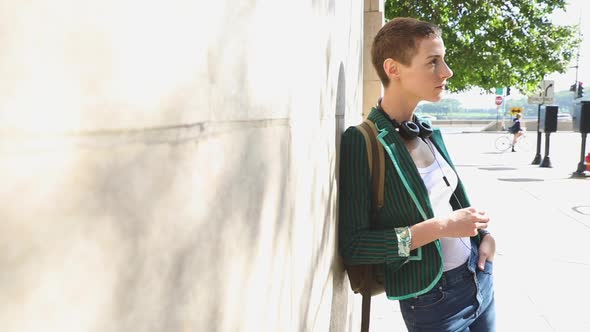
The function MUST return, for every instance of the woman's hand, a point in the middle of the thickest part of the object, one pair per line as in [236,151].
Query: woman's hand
[460,223]
[464,223]
[487,251]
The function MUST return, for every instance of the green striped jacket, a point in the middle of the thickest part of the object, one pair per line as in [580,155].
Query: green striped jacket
[403,277]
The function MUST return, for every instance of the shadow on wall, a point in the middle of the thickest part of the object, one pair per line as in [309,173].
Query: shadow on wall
[155,224]
[127,228]
[323,205]
[339,301]
[339,316]
[177,254]
[227,249]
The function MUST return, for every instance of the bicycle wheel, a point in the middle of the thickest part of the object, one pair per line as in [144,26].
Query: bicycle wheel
[502,143]
[522,144]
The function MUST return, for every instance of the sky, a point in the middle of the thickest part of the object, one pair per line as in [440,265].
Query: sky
[474,98]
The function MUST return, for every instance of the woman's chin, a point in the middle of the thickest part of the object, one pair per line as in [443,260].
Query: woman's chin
[435,98]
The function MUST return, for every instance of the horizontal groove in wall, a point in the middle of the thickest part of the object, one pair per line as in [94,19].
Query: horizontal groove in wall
[105,138]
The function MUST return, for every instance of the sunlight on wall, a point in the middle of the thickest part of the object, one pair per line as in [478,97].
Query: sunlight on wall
[71,65]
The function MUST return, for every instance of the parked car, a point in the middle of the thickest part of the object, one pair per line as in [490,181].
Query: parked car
[564,117]
[426,117]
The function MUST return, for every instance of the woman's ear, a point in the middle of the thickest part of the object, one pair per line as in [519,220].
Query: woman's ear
[391,68]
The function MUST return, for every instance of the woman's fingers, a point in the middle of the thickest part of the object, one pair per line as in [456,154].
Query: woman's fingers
[481,225]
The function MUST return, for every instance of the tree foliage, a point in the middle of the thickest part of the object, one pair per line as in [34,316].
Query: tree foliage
[495,43]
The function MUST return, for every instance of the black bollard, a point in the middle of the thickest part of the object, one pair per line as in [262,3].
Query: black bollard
[548,125]
[581,124]
[537,159]
[581,165]
[546,160]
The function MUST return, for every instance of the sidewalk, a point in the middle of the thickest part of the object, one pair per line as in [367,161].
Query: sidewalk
[540,218]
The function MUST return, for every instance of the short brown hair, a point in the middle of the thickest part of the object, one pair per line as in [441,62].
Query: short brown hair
[397,40]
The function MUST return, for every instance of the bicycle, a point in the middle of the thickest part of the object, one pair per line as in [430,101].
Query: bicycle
[504,142]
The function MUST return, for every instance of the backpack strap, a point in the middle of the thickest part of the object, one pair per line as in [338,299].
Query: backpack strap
[365,133]
[366,315]
[376,158]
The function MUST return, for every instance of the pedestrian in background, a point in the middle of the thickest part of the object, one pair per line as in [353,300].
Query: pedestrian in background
[431,247]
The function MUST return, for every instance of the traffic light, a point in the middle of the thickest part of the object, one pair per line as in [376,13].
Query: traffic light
[573,87]
[580,90]
[508,91]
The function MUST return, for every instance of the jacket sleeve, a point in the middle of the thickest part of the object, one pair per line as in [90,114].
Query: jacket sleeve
[358,243]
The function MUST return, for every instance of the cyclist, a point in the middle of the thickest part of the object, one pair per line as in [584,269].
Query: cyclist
[516,129]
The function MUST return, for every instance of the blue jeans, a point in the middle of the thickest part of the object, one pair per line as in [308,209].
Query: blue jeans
[461,301]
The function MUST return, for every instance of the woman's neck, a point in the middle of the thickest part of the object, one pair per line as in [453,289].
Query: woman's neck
[398,108]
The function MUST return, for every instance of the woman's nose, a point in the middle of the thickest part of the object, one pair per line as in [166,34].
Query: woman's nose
[447,72]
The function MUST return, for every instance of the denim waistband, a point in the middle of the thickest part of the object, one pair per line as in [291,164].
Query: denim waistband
[461,272]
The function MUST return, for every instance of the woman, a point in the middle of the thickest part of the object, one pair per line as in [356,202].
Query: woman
[431,248]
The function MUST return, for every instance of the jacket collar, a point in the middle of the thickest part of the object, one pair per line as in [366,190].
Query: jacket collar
[399,155]
[382,121]
[402,157]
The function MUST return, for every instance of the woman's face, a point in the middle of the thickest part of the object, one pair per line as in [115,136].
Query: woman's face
[425,78]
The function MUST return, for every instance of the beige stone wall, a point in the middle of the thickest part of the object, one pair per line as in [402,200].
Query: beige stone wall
[172,166]
[372,88]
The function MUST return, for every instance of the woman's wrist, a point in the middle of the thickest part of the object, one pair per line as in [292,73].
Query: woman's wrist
[441,225]
[483,233]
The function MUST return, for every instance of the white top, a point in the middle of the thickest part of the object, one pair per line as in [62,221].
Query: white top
[455,250]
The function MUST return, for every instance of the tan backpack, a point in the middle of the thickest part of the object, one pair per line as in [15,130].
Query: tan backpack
[363,277]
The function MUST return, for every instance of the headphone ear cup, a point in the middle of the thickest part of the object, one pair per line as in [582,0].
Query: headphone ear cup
[425,129]
[409,129]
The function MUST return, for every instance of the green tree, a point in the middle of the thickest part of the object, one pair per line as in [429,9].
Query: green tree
[565,101]
[492,43]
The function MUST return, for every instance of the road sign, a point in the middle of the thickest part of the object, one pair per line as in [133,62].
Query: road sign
[535,100]
[544,93]
[548,87]
[499,100]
